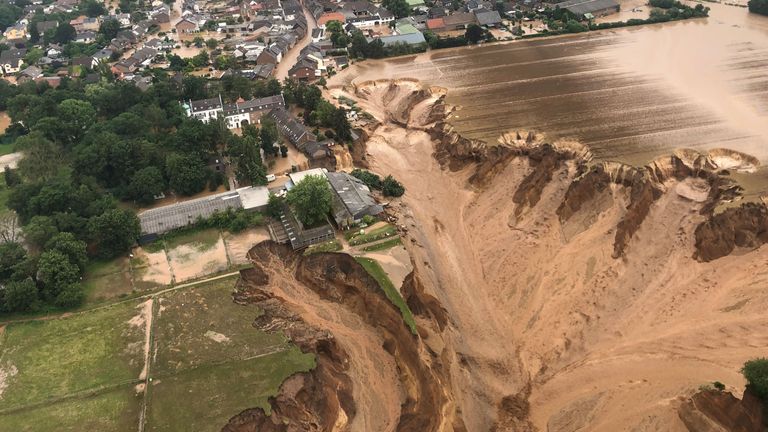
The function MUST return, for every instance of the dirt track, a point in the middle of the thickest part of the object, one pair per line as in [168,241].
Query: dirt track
[547,330]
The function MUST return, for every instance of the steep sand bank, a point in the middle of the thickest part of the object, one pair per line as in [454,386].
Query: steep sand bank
[575,293]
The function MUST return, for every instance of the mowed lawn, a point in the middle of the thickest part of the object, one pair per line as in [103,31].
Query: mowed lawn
[44,361]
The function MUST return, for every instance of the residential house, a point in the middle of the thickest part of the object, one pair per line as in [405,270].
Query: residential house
[17,31]
[103,55]
[488,18]
[85,37]
[11,60]
[363,13]
[317,34]
[291,9]
[458,21]
[44,26]
[235,114]
[186,25]
[290,127]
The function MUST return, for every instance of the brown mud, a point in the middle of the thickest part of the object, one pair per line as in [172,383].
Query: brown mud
[325,398]
[568,293]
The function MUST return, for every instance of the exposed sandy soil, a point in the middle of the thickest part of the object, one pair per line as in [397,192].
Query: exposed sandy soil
[10,160]
[395,261]
[239,244]
[549,331]
[5,121]
[190,262]
[151,268]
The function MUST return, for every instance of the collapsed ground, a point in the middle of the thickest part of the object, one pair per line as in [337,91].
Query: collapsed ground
[570,303]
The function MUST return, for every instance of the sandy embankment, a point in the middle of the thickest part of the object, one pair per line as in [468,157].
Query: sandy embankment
[549,330]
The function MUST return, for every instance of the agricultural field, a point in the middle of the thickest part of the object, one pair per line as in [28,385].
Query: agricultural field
[188,356]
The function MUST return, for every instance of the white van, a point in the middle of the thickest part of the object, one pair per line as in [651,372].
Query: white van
[271,177]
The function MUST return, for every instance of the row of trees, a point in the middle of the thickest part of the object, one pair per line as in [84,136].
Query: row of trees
[388,186]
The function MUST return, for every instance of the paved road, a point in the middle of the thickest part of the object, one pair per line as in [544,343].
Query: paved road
[281,72]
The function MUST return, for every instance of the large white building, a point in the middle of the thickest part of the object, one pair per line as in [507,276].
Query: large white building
[235,114]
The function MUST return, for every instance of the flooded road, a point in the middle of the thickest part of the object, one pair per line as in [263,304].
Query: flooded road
[630,94]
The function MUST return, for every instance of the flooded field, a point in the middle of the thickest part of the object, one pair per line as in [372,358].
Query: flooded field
[630,94]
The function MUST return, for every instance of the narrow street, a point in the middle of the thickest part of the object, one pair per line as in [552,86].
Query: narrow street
[281,71]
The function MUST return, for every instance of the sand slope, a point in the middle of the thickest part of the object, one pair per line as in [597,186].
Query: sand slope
[548,331]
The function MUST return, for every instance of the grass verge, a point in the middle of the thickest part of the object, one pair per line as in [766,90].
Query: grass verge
[387,244]
[377,234]
[329,246]
[374,269]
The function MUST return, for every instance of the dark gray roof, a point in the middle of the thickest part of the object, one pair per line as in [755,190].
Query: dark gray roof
[581,7]
[354,194]
[488,17]
[205,104]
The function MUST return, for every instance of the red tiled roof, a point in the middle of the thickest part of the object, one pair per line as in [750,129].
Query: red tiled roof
[435,23]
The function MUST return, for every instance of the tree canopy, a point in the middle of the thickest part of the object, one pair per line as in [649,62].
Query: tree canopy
[758,6]
[310,200]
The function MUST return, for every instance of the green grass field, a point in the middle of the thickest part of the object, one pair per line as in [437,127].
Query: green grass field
[107,280]
[329,246]
[80,372]
[374,269]
[6,148]
[386,244]
[59,357]
[113,411]
[201,325]
[211,395]
[377,234]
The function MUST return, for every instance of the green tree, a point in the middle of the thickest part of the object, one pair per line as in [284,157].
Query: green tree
[392,187]
[93,8]
[72,295]
[109,28]
[474,33]
[756,373]
[64,33]
[56,272]
[114,232]
[12,178]
[20,296]
[146,184]
[399,8]
[40,230]
[186,174]
[311,199]
[11,254]
[77,115]
[211,44]
[71,247]
[268,136]
[33,55]
[249,165]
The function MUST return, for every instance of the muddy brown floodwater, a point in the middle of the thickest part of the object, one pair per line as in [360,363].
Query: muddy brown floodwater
[629,94]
